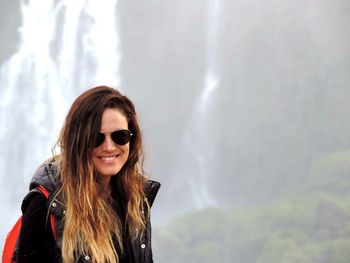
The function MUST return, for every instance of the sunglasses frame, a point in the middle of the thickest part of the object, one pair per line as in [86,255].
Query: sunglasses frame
[124,132]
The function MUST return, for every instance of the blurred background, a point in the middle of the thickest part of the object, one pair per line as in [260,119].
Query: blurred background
[244,106]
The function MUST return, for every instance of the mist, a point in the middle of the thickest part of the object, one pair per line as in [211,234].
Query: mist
[243,107]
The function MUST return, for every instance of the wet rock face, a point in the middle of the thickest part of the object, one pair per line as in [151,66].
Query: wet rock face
[10,20]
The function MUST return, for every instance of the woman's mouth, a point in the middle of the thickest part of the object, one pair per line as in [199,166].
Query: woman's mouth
[108,159]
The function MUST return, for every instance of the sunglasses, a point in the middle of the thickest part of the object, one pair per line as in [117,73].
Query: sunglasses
[120,137]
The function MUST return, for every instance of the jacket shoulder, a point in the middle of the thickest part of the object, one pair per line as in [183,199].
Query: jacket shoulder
[46,175]
[27,199]
[151,190]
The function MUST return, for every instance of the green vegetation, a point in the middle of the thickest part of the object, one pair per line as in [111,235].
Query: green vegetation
[311,226]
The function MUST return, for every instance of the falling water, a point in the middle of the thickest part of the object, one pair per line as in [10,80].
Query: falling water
[197,143]
[211,77]
[66,47]
[199,186]
[29,95]
[89,45]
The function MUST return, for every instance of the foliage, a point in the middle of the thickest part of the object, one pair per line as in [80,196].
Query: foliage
[297,228]
[330,173]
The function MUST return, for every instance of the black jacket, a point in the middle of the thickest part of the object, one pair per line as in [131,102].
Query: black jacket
[46,176]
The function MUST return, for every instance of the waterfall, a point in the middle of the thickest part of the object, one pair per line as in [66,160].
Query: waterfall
[197,154]
[89,45]
[66,47]
[199,135]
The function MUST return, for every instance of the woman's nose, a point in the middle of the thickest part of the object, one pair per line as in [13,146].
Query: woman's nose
[108,144]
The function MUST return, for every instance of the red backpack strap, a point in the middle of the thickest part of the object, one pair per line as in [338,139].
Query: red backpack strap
[52,218]
[11,242]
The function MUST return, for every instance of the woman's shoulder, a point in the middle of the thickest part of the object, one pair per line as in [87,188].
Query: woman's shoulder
[151,190]
[33,199]
[46,175]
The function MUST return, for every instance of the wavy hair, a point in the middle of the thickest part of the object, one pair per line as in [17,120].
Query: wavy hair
[91,226]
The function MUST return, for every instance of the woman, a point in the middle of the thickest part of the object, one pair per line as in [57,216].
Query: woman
[99,199]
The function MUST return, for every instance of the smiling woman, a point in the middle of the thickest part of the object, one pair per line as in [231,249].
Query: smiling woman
[98,196]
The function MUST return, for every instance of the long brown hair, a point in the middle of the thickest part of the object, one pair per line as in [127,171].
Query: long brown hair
[90,224]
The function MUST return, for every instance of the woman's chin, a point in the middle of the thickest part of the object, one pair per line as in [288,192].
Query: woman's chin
[108,172]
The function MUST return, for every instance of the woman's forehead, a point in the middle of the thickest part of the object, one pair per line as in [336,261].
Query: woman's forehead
[113,119]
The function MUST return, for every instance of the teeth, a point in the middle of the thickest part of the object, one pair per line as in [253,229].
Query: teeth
[108,158]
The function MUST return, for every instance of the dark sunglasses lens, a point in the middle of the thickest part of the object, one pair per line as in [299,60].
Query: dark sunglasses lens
[99,140]
[121,137]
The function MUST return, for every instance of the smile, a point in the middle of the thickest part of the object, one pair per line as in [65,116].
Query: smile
[108,158]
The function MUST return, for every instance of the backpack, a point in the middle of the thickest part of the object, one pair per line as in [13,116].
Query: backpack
[11,243]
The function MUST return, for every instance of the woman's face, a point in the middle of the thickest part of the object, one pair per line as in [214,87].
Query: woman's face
[109,157]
